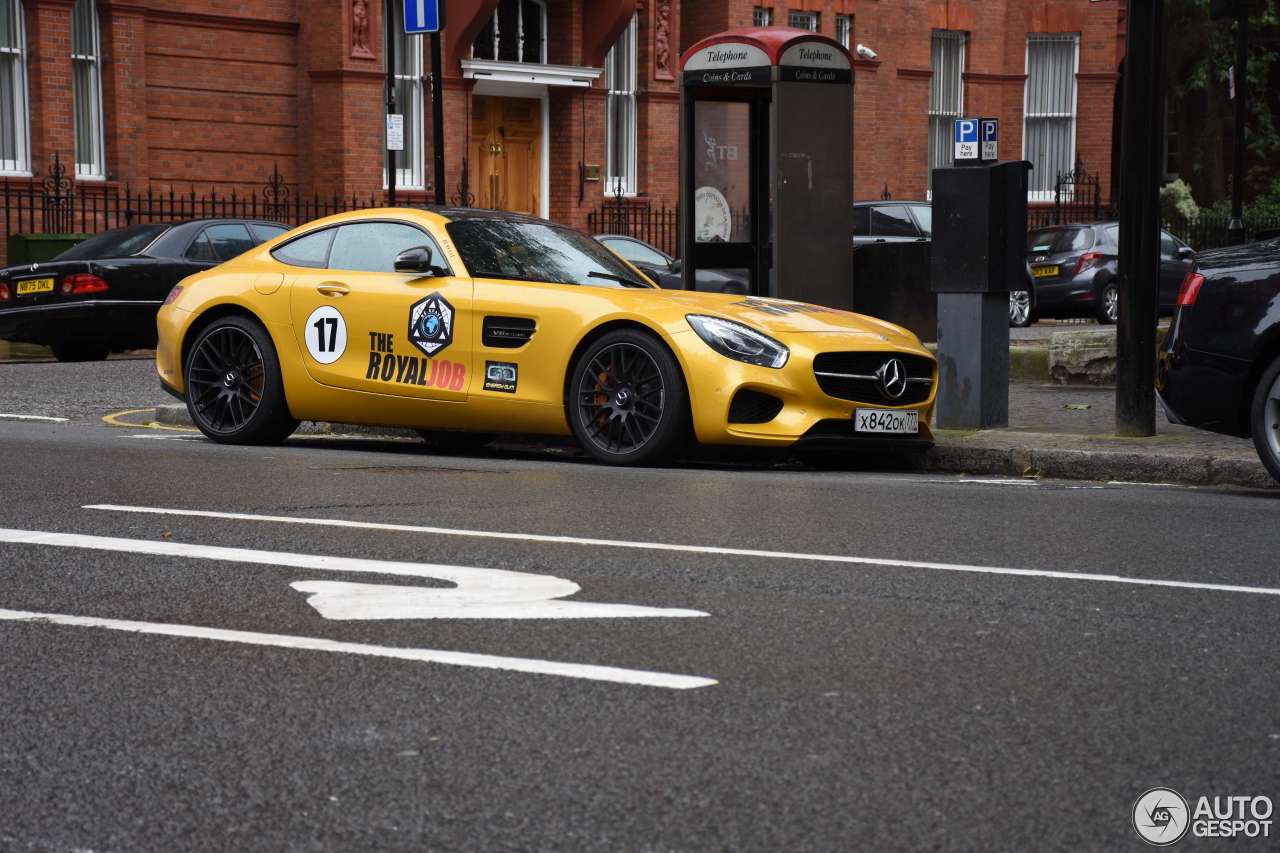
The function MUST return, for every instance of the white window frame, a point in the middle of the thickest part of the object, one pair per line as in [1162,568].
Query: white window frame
[410,172]
[762,16]
[20,164]
[803,20]
[622,90]
[844,31]
[940,116]
[1073,116]
[497,34]
[95,166]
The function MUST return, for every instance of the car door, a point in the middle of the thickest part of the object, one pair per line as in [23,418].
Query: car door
[362,326]
[1173,268]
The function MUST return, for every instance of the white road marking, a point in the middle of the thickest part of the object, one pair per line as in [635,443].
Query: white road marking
[1002,482]
[165,437]
[695,549]
[479,593]
[42,418]
[251,638]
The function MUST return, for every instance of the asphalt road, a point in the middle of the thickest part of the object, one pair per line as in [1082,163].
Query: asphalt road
[867,675]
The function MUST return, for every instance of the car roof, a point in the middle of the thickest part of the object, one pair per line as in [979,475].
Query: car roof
[460,214]
[892,201]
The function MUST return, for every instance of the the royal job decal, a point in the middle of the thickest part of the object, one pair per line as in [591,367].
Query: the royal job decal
[431,324]
[386,365]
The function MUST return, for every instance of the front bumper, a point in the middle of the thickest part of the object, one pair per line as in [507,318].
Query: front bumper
[808,414]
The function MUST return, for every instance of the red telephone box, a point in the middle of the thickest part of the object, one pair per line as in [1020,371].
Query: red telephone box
[766,162]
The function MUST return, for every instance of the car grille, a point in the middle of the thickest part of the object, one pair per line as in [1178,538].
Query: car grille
[854,376]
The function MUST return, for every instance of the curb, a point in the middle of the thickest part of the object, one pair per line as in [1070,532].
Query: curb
[956,458]
[1099,466]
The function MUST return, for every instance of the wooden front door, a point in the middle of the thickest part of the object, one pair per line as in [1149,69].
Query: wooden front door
[506,148]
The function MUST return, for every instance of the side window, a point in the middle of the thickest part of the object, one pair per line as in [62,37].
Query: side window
[373,246]
[637,253]
[202,250]
[228,240]
[924,218]
[892,221]
[862,221]
[1168,246]
[311,250]
[263,233]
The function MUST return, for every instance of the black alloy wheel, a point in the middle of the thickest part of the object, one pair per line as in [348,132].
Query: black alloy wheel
[79,351]
[628,404]
[234,391]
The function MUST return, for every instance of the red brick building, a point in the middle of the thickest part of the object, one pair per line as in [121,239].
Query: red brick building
[551,104]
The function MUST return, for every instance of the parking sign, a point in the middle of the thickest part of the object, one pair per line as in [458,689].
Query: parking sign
[966,138]
[990,132]
[421,16]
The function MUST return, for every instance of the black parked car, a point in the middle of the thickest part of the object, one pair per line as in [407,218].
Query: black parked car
[102,295]
[1219,366]
[912,222]
[891,222]
[665,270]
[1074,270]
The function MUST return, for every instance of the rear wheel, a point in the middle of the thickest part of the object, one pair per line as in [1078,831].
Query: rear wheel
[1109,303]
[234,391]
[79,351]
[627,400]
[1020,308]
[1265,419]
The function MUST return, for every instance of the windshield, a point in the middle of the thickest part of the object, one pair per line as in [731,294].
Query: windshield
[924,218]
[538,251]
[120,243]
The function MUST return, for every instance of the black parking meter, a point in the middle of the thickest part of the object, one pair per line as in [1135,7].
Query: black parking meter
[766,154]
[979,255]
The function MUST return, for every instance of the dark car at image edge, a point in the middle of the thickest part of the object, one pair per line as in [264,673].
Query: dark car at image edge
[1219,366]
[102,295]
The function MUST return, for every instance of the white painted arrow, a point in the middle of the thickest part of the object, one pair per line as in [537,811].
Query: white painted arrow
[478,593]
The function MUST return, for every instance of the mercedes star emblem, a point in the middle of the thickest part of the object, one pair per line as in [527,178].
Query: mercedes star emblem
[893,378]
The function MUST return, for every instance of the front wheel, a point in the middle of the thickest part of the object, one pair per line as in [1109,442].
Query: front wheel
[79,351]
[234,391]
[1109,303]
[627,400]
[1020,308]
[1265,419]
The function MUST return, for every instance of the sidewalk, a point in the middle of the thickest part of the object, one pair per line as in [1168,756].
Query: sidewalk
[1050,435]
[1045,439]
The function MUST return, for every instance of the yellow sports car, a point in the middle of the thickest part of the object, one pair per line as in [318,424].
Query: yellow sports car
[465,323]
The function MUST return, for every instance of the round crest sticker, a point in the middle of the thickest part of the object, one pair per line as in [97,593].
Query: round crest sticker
[326,334]
[431,324]
[1161,817]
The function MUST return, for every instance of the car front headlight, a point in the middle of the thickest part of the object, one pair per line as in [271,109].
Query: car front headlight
[739,342]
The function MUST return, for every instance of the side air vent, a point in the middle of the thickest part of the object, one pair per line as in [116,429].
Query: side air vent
[753,407]
[507,332]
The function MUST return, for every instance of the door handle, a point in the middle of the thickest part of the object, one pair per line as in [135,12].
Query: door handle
[330,288]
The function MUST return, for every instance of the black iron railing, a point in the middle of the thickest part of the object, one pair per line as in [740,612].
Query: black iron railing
[57,205]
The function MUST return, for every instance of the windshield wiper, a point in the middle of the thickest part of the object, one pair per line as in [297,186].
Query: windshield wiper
[621,279]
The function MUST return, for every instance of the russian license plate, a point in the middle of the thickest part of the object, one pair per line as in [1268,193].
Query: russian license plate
[1045,272]
[886,420]
[35,285]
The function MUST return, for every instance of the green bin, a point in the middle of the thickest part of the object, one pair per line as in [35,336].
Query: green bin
[38,248]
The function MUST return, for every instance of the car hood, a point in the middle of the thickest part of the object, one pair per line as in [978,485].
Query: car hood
[783,317]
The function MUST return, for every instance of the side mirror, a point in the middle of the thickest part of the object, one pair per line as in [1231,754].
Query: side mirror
[1186,253]
[417,259]
[674,266]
